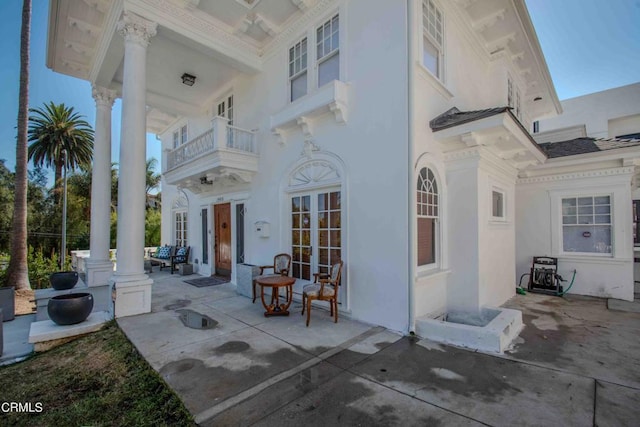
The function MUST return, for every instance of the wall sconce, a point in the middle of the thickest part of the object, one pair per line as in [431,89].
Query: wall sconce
[188,79]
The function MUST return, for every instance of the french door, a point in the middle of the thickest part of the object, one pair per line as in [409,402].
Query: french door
[225,109]
[316,233]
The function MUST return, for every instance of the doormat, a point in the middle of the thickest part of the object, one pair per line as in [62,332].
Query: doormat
[208,281]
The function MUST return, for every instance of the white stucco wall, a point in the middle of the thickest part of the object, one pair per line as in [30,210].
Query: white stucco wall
[370,151]
[606,114]
[539,231]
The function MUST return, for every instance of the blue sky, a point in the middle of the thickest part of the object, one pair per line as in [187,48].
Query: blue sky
[589,46]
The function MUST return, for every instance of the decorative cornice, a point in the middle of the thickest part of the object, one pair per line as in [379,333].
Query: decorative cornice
[309,17]
[136,29]
[201,22]
[577,175]
[104,97]
[469,153]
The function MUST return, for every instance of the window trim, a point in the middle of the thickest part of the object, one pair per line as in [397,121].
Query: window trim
[184,231]
[439,46]
[302,70]
[180,136]
[437,232]
[611,224]
[313,62]
[514,98]
[492,217]
[334,51]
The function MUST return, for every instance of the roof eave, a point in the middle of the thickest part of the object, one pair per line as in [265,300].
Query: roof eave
[532,37]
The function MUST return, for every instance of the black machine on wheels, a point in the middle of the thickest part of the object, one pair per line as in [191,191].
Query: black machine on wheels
[544,277]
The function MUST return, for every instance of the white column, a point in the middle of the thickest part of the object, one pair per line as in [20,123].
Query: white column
[99,267]
[132,287]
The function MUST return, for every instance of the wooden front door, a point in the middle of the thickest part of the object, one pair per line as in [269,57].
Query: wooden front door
[222,215]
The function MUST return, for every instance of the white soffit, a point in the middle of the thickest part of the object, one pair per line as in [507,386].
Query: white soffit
[500,134]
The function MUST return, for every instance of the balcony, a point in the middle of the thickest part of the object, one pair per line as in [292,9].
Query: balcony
[223,155]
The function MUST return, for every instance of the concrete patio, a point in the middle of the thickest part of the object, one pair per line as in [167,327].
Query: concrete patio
[575,363]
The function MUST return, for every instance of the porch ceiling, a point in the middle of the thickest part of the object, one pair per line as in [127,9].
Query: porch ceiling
[214,40]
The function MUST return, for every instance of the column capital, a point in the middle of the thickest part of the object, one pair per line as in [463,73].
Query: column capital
[136,29]
[103,96]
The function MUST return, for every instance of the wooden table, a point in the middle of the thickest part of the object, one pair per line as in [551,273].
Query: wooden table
[275,283]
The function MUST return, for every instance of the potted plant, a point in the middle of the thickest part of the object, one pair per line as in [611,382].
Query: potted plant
[63,280]
[8,302]
[70,309]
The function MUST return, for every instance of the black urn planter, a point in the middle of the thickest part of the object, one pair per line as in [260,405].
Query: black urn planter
[71,308]
[63,280]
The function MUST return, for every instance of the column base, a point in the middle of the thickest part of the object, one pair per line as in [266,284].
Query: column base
[98,272]
[131,297]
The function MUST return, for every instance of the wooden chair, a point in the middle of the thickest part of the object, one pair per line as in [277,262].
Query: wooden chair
[281,266]
[323,288]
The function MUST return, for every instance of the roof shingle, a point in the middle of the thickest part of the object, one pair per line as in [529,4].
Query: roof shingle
[574,147]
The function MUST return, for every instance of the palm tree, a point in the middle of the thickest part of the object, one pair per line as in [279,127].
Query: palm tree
[17,271]
[152,178]
[54,129]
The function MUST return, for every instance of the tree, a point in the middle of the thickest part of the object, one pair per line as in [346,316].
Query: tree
[17,271]
[57,128]
[152,178]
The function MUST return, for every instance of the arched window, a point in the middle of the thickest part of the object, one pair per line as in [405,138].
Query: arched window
[427,204]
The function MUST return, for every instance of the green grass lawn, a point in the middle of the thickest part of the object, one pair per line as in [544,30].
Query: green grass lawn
[99,379]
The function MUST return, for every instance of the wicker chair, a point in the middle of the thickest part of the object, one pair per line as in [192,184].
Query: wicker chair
[281,266]
[323,288]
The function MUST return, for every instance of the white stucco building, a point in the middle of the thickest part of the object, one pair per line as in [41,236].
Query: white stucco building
[592,150]
[390,134]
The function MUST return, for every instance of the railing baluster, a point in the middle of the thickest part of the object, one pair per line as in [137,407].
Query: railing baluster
[235,139]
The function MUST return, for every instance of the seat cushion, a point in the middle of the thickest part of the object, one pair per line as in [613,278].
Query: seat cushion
[180,255]
[163,252]
[313,290]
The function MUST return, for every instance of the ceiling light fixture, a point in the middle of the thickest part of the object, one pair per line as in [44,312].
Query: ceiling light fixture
[188,79]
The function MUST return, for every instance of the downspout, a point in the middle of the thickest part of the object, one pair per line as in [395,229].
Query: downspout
[411,161]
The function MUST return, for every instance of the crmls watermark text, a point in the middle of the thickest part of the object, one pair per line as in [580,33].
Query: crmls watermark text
[22,407]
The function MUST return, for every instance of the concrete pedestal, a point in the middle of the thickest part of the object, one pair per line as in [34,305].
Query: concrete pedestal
[131,298]
[245,273]
[101,298]
[98,273]
[185,269]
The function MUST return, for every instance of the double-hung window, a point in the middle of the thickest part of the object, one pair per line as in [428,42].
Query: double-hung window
[427,198]
[298,70]
[326,67]
[328,52]
[586,224]
[433,39]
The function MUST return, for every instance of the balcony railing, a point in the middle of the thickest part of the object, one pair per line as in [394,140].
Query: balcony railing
[221,136]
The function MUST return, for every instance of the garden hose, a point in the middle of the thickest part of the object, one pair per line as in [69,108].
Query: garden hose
[560,294]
